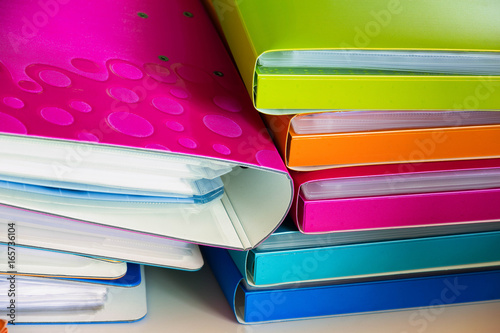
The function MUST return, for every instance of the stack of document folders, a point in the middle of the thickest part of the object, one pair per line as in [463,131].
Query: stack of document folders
[391,132]
[323,157]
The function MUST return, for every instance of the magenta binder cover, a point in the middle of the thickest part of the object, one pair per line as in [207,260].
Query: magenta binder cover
[148,75]
[82,70]
[394,211]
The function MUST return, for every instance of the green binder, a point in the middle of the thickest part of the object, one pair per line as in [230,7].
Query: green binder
[309,56]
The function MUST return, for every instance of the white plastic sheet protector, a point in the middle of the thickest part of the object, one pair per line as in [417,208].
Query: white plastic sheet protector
[48,263]
[294,239]
[426,182]
[64,169]
[362,121]
[41,300]
[43,295]
[50,232]
[437,62]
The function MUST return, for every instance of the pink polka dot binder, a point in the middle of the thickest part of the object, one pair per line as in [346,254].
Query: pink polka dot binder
[118,87]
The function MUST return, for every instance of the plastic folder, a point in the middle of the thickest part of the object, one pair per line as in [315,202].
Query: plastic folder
[53,301]
[288,237]
[154,133]
[253,305]
[132,278]
[397,196]
[338,139]
[324,55]
[25,261]
[55,233]
[349,262]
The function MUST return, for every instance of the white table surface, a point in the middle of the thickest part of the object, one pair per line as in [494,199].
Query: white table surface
[193,302]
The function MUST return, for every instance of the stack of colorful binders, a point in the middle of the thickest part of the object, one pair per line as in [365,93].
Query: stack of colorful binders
[386,114]
[126,135]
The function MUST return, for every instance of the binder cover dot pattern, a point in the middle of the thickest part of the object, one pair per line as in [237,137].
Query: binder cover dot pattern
[67,73]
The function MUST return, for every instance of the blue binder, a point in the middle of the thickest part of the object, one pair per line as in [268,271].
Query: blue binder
[254,305]
[324,262]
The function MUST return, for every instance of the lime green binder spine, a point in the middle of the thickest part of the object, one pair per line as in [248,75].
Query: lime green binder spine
[371,92]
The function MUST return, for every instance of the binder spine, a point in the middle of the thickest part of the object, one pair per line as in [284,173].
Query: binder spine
[399,211]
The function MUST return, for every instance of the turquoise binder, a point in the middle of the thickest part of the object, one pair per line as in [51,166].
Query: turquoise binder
[323,262]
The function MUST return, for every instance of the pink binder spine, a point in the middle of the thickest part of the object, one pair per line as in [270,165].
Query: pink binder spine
[393,211]
[142,74]
[399,211]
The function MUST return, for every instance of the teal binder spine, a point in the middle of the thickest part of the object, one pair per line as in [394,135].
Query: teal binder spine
[427,254]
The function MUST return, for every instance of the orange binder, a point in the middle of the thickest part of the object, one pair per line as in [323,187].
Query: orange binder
[305,152]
